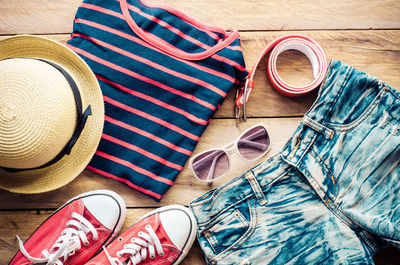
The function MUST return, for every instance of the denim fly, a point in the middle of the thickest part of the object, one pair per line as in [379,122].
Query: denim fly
[331,196]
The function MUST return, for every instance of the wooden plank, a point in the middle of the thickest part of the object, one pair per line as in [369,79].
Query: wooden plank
[37,16]
[186,188]
[375,52]
[22,16]
[24,223]
[356,48]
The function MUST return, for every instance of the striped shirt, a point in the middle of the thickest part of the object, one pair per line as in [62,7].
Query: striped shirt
[163,75]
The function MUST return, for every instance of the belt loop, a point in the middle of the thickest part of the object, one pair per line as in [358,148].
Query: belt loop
[249,176]
[328,133]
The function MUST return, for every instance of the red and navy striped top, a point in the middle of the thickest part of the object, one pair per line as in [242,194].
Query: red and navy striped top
[163,75]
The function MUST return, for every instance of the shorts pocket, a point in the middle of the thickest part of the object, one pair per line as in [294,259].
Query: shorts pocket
[230,228]
[352,109]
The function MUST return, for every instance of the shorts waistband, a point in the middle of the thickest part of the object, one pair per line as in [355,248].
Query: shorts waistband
[253,183]
[331,111]
[340,79]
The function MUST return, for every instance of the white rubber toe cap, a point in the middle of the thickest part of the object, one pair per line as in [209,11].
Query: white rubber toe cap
[178,225]
[106,206]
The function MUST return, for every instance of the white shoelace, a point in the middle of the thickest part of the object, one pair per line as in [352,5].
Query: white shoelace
[67,244]
[137,250]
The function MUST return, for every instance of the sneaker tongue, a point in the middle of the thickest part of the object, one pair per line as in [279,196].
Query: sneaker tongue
[162,235]
[164,238]
[154,221]
[90,217]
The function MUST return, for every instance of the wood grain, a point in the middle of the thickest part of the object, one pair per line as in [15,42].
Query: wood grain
[56,16]
[25,222]
[364,34]
[358,48]
[186,188]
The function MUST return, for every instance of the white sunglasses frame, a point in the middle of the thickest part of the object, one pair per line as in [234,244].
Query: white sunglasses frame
[230,149]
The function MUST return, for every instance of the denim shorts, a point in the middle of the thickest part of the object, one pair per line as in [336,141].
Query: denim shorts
[331,196]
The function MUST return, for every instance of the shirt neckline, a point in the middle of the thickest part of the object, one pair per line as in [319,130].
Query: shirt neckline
[170,49]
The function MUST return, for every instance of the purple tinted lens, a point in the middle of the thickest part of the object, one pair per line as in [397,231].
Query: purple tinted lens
[211,165]
[254,143]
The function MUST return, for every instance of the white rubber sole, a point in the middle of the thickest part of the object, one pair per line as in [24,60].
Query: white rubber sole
[193,232]
[119,200]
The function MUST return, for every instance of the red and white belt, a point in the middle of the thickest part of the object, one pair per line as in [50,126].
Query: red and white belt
[301,43]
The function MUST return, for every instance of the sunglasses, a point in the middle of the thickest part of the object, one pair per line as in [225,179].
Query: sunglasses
[215,163]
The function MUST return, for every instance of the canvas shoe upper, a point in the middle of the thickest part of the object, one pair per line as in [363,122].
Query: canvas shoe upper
[164,236]
[75,231]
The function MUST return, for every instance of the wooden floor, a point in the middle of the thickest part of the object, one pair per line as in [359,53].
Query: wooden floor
[364,34]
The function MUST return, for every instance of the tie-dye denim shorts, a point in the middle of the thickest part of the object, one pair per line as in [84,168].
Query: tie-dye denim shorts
[331,196]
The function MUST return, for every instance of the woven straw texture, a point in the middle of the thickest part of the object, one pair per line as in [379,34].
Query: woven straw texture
[38,114]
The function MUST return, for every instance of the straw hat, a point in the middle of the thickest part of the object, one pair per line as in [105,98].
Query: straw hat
[41,82]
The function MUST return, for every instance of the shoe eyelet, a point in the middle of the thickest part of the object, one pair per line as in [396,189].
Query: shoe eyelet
[152,257]
[119,254]
[148,226]
[86,244]
[140,233]
[162,254]
[119,239]
[72,214]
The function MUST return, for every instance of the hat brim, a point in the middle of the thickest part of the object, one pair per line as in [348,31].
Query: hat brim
[70,166]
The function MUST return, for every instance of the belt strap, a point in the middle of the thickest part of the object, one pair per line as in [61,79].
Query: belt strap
[301,43]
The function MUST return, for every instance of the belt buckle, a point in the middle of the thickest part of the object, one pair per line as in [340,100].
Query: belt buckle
[244,100]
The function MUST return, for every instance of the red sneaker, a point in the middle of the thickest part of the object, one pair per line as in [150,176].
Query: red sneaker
[75,232]
[164,236]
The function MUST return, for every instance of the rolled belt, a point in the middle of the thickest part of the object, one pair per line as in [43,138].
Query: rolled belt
[301,43]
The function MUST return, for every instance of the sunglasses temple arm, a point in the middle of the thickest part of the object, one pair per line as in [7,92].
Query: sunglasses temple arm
[248,139]
[212,168]
[213,163]
[256,134]
[254,144]
[204,158]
